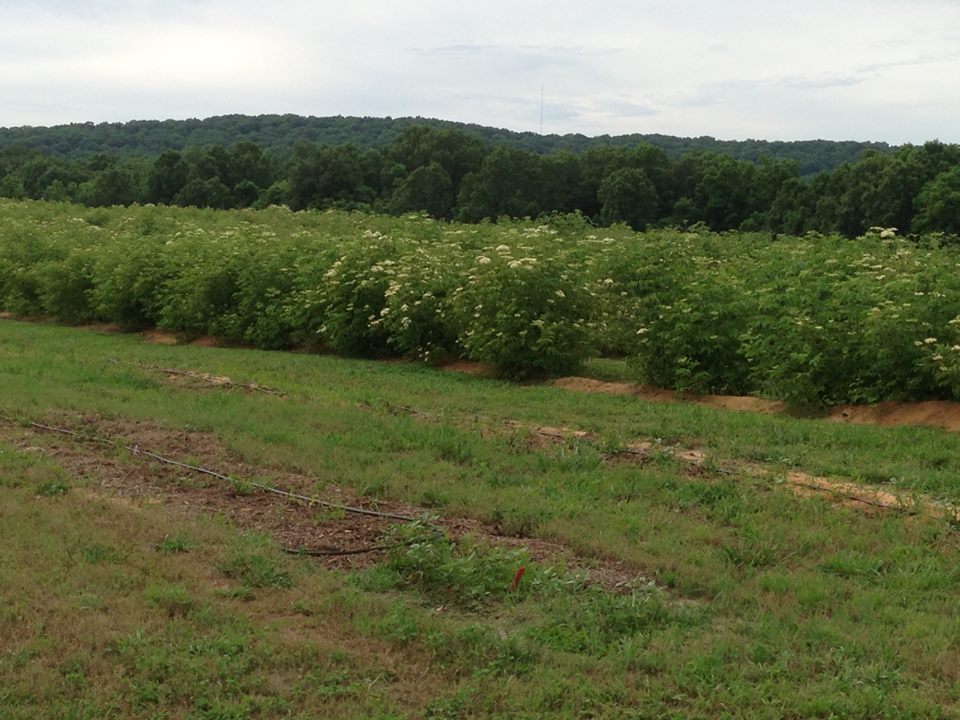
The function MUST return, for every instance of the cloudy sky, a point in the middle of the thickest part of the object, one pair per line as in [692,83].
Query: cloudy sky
[848,69]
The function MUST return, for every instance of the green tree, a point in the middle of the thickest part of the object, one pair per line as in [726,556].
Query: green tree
[563,188]
[427,188]
[247,162]
[627,195]
[210,193]
[456,152]
[277,194]
[938,204]
[167,177]
[12,187]
[721,189]
[325,176]
[507,184]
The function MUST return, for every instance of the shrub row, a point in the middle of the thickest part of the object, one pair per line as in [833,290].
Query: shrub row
[812,320]
[356,285]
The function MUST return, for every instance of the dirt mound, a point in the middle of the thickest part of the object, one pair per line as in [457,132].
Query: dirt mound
[471,367]
[159,337]
[206,341]
[106,328]
[853,495]
[744,403]
[935,413]
[582,384]
[727,402]
[194,379]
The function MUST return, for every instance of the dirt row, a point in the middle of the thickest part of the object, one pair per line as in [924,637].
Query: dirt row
[942,414]
[115,472]
[642,450]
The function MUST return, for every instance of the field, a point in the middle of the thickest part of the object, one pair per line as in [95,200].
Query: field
[348,530]
[675,566]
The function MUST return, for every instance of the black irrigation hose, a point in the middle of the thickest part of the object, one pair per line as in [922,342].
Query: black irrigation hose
[136,450]
[359,551]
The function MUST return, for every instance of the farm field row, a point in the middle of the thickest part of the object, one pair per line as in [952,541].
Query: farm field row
[814,321]
[671,568]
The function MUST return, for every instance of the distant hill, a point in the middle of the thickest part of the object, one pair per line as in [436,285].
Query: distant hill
[279,133]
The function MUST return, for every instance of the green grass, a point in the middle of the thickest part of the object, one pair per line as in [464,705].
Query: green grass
[774,606]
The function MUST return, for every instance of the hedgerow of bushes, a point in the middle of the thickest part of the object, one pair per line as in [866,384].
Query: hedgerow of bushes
[814,320]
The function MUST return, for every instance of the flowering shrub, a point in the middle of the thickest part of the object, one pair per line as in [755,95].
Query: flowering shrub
[419,320]
[128,282]
[523,311]
[342,306]
[944,358]
[814,320]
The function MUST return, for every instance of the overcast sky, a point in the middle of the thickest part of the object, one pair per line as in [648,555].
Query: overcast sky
[848,69]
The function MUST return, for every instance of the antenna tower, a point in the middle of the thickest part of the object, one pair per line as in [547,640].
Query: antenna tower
[541,109]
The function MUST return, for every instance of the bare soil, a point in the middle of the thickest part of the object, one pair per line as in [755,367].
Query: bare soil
[106,328]
[203,380]
[471,367]
[849,494]
[941,414]
[134,478]
[159,337]
[653,394]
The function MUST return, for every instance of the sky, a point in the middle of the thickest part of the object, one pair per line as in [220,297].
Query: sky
[884,70]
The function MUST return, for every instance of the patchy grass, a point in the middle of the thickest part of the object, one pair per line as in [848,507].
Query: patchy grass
[772,605]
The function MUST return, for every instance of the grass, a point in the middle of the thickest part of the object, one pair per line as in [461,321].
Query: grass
[774,606]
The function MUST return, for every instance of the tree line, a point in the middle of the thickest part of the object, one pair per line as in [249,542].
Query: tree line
[279,134]
[451,174]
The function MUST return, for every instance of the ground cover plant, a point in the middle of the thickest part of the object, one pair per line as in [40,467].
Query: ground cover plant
[745,599]
[816,320]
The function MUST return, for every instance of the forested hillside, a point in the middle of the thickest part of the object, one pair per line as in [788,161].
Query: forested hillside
[453,175]
[280,133]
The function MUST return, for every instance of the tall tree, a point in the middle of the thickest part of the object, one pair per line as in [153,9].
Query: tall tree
[507,184]
[427,188]
[938,204]
[628,196]
[325,176]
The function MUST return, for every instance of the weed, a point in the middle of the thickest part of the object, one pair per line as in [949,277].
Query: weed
[750,551]
[99,554]
[53,488]
[775,605]
[241,592]
[175,600]
[470,577]
[252,561]
[453,707]
[518,522]
[453,446]
[241,488]
[376,488]
[174,544]
[434,498]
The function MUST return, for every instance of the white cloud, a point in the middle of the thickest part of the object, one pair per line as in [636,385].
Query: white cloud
[877,69]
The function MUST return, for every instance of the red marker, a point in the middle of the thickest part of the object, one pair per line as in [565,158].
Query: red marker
[517,577]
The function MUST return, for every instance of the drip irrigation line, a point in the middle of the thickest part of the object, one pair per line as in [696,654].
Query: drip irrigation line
[211,380]
[137,450]
[340,553]
[332,552]
[910,509]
